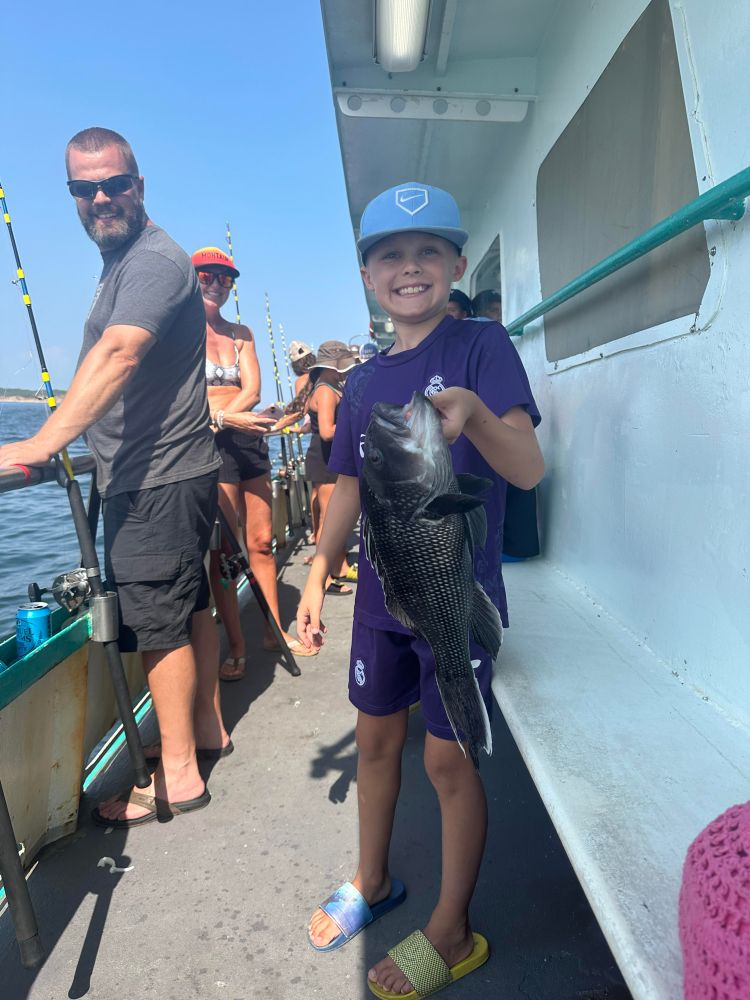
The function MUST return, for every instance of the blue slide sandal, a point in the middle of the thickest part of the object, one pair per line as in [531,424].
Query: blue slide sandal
[348,909]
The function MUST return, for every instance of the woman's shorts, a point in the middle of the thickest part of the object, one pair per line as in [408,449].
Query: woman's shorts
[388,671]
[245,456]
[316,470]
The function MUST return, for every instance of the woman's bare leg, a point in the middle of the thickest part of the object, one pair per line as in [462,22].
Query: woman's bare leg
[225,592]
[257,519]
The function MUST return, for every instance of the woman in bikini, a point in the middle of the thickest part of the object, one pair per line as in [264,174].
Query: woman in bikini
[327,379]
[233,383]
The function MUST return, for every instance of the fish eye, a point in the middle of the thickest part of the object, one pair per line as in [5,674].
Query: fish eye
[376,457]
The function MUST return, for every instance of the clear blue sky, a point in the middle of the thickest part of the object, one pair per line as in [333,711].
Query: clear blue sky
[229,112]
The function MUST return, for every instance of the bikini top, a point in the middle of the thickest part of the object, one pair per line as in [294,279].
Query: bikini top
[217,374]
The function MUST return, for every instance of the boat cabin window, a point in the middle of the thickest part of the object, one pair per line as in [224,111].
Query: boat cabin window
[623,163]
[486,275]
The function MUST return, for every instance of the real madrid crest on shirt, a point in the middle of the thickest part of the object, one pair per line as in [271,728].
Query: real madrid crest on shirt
[435,386]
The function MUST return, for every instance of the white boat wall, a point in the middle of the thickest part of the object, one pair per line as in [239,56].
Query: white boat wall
[565,130]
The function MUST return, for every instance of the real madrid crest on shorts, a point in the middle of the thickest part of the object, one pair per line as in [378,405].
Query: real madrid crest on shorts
[435,386]
[359,673]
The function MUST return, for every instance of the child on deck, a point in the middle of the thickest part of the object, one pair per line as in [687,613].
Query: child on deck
[411,242]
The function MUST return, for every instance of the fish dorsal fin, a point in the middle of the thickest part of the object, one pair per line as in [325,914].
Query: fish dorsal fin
[473,486]
[486,627]
[451,503]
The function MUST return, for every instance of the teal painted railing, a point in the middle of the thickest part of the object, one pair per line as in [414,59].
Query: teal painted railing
[724,201]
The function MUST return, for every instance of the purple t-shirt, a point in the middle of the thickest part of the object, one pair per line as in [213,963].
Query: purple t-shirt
[476,356]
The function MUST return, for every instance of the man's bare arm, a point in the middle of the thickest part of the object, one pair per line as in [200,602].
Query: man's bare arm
[96,387]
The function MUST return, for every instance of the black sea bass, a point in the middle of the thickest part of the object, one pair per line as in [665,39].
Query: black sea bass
[421,526]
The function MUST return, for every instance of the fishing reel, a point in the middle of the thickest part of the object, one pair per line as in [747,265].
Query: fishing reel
[70,590]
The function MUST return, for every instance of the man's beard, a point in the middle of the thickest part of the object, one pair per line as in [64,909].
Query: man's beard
[119,230]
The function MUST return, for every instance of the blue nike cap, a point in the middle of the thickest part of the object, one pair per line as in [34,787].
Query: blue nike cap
[411,207]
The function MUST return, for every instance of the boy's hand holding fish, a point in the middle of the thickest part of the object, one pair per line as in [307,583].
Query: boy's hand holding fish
[456,407]
[508,443]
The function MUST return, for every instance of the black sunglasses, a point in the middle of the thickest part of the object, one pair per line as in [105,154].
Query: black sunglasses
[111,186]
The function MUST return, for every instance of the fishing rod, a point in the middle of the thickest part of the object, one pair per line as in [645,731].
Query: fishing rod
[30,947]
[102,604]
[303,497]
[289,378]
[234,283]
[238,561]
[280,394]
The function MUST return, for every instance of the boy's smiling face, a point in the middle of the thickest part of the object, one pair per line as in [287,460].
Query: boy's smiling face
[411,275]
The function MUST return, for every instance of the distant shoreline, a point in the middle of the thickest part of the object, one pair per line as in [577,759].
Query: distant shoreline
[21,399]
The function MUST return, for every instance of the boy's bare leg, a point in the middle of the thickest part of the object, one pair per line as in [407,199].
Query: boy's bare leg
[380,742]
[209,726]
[463,811]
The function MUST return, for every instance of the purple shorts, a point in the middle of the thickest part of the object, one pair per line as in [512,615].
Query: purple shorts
[388,671]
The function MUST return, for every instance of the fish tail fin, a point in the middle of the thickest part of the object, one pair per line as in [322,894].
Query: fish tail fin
[467,714]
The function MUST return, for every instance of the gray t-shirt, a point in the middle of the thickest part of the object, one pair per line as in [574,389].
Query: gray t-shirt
[157,432]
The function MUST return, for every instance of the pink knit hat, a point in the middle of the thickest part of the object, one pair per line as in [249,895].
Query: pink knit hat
[715,910]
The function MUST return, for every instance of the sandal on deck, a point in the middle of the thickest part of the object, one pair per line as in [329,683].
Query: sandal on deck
[335,587]
[348,909]
[202,753]
[425,969]
[158,809]
[237,665]
[351,575]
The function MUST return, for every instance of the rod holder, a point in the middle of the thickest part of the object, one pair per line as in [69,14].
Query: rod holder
[104,617]
[215,540]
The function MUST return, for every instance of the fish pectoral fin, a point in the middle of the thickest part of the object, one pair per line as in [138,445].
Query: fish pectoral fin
[486,626]
[476,527]
[371,552]
[395,609]
[451,503]
[473,486]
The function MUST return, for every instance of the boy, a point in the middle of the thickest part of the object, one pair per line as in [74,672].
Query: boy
[411,242]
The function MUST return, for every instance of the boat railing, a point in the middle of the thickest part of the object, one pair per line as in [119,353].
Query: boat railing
[725,201]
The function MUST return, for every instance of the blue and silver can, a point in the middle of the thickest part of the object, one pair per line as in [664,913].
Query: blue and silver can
[32,627]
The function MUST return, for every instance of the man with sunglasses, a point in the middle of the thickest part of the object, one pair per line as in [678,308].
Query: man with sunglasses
[139,396]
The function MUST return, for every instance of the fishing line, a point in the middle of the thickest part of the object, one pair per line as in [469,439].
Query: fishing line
[276,375]
[103,605]
[6,391]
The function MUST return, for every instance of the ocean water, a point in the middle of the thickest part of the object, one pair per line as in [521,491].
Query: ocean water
[37,537]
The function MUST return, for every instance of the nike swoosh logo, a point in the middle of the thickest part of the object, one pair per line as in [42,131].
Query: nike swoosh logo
[411,197]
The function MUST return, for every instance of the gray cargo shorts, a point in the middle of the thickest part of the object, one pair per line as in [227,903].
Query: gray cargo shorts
[155,541]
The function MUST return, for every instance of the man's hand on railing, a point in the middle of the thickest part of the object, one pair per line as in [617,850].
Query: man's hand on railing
[27,452]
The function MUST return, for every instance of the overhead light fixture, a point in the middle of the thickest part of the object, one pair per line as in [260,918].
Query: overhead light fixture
[400,33]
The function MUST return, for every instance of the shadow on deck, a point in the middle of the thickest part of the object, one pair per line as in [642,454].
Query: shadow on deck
[216,903]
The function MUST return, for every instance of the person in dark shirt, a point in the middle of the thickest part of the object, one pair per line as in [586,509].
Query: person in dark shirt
[488,305]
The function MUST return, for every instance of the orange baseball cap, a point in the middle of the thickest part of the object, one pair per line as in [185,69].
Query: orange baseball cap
[207,256]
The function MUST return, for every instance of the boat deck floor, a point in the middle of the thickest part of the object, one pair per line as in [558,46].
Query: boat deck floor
[215,904]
